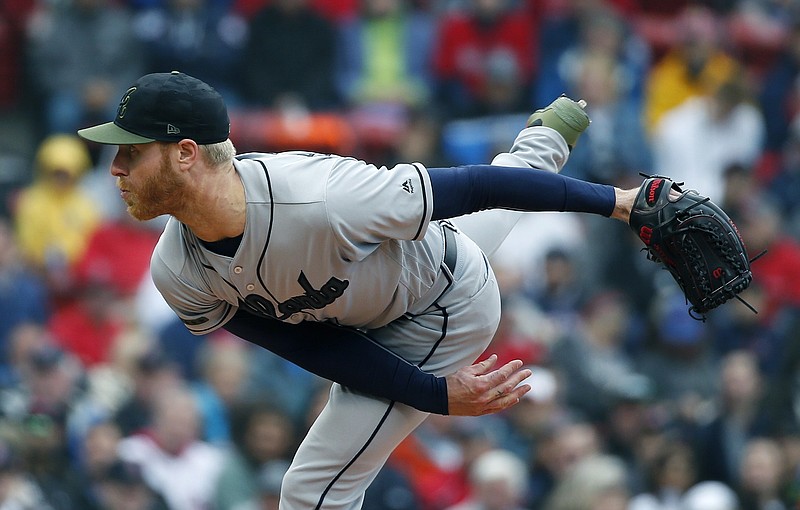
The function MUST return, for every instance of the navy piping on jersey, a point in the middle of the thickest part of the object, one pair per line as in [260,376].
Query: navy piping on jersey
[269,230]
[424,201]
[228,247]
[213,326]
[445,318]
[357,455]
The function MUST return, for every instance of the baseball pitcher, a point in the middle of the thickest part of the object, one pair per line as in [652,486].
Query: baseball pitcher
[347,269]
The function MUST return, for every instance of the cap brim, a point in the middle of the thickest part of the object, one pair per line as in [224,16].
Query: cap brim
[111,134]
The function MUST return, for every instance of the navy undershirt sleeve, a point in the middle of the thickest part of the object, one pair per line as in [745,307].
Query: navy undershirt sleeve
[472,188]
[346,356]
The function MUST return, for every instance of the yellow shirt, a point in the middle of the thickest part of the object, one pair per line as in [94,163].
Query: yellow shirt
[54,224]
[670,83]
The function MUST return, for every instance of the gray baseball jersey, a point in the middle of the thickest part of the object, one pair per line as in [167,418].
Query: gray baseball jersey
[335,239]
[327,238]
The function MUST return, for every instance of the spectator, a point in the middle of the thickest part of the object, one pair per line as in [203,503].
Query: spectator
[384,54]
[789,441]
[18,490]
[559,450]
[696,65]
[288,385]
[174,461]
[696,141]
[14,15]
[118,254]
[391,490]
[762,479]
[83,54]
[515,337]
[783,186]
[484,59]
[769,337]
[202,38]
[53,217]
[224,365]
[621,267]
[626,434]
[497,481]
[672,473]
[591,360]
[182,348]
[782,392]
[594,30]
[562,291]
[290,57]
[681,360]
[89,323]
[52,383]
[421,140]
[153,374]
[434,461]
[46,456]
[123,487]
[530,420]
[720,442]
[778,97]
[598,482]
[110,384]
[18,108]
[261,435]
[97,454]
[616,148]
[778,270]
[23,298]
[739,183]
[25,340]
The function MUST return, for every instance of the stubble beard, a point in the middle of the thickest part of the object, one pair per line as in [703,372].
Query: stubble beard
[162,193]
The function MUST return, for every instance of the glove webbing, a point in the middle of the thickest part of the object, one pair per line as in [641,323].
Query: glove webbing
[717,236]
[713,297]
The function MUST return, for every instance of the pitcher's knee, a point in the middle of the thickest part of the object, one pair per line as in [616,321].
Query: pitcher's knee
[298,492]
[306,489]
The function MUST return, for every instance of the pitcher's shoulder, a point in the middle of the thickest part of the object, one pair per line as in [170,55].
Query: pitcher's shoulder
[172,248]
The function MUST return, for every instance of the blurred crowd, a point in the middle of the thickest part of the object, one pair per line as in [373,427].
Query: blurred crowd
[108,403]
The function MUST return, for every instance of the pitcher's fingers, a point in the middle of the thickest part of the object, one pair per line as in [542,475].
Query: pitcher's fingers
[520,391]
[515,378]
[503,373]
[507,401]
[509,386]
[484,366]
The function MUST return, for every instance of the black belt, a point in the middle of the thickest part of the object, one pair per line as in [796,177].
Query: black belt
[450,248]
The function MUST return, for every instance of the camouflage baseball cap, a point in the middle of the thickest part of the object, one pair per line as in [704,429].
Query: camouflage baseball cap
[165,107]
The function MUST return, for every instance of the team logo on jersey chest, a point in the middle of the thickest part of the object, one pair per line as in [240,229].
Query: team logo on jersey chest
[311,299]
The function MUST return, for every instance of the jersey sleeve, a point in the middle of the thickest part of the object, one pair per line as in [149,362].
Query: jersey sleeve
[200,311]
[367,205]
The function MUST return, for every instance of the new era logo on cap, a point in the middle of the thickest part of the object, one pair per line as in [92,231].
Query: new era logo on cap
[156,105]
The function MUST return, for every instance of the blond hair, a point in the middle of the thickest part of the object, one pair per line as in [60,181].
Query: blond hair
[216,154]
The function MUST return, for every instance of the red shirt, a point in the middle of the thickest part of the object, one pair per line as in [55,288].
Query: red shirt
[778,273]
[118,254]
[87,327]
[465,45]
